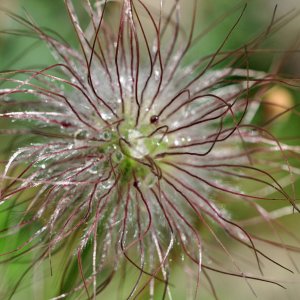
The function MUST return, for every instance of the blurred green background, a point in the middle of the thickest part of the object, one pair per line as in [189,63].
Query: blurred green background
[20,52]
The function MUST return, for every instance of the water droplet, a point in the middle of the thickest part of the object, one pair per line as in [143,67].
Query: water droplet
[94,169]
[122,79]
[107,115]
[117,156]
[107,184]
[43,166]
[188,111]
[154,46]
[106,135]
[157,74]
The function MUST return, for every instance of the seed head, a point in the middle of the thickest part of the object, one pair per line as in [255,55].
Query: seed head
[128,155]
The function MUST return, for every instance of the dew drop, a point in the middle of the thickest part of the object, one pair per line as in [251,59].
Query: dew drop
[176,142]
[94,170]
[154,46]
[107,184]
[122,79]
[106,135]
[117,156]
[157,74]
[107,116]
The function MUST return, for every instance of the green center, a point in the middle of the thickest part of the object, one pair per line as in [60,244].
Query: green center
[134,150]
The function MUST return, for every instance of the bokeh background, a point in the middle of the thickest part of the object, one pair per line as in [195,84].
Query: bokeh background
[21,52]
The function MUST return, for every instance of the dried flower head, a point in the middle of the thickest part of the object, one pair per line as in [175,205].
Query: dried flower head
[128,156]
